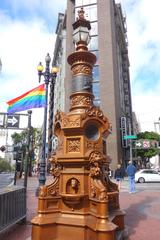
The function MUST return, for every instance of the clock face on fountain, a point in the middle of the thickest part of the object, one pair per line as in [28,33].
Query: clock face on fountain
[92,132]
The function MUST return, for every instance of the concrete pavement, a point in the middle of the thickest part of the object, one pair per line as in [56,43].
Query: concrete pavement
[142,213]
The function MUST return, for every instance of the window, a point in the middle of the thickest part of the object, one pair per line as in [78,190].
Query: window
[90,12]
[97,102]
[84,2]
[149,172]
[96,52]
[93,45]
[94,28]
[95,73]
[96,89]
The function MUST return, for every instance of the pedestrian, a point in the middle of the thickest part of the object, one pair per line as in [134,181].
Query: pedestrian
[131,170]
[119,175]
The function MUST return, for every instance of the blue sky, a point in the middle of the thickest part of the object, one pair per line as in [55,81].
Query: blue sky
[27,33]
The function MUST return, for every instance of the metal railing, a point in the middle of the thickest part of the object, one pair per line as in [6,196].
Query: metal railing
[12,206]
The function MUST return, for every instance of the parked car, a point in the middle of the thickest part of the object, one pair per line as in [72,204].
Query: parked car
[147,175]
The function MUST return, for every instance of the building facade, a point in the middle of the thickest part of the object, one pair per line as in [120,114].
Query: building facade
[57,91]
[111,80]
[136,124]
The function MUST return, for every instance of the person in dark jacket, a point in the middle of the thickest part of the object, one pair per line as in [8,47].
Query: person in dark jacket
[131,170]
[119,175]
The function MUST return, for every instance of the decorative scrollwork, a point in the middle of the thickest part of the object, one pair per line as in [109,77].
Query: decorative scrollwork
[95,156]
[81,101]
[53,189]
[98,190]
[93,145]
[43,191]
[56,170]
[67,122]
[94,111]
[73,145]
[82,69]
[56,167]
[93,190]
[58,116]
[95,170]
[50,190]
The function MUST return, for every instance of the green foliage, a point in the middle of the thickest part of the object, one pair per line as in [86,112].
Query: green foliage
[21,138]
[146,154]
[4,165]
[149,136]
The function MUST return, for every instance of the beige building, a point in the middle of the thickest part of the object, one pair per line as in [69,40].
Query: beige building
[136,124]
[111,81]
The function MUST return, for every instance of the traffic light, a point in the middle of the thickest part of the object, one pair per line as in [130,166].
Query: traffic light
[17,156]
[2,148]
[18,166]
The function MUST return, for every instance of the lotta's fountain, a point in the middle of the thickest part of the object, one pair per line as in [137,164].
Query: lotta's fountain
[81,203]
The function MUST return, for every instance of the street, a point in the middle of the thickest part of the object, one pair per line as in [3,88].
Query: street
[6,179]
[142,211]
[154,186]
[147,186]
[150,186]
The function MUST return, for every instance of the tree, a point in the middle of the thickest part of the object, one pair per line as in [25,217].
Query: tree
[4,165]
[148,153]
[20,142]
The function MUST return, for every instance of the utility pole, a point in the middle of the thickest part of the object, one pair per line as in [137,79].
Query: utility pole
[157,124]
[130,145]
[157,130]
[27,149]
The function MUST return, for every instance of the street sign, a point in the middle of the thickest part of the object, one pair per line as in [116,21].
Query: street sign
[123,124]
[130,137]
[9,148]
[13,121]
[146,144]
[138,144]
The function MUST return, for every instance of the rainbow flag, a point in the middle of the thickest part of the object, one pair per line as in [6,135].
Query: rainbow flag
[34,98]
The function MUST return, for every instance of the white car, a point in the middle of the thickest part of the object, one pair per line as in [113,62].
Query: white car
[147,175]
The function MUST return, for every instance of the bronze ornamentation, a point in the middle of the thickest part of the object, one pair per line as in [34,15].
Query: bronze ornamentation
[82,203]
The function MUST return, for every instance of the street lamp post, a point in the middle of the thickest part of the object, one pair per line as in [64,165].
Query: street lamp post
[130,147]
[0,65]
[48,75]
[157,130]
[51,110]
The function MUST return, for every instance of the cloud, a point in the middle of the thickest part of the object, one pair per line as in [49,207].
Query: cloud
[27,34]
[25,40]
[144,54]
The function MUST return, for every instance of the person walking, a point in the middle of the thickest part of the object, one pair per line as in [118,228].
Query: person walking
[119,175]
[131,170]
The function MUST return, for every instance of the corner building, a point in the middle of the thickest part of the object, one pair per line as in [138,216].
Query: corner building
[111,80]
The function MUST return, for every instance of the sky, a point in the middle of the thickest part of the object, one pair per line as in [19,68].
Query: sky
[27,34]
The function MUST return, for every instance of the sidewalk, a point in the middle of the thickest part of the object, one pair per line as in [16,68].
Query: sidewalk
[23,231]
[142,213]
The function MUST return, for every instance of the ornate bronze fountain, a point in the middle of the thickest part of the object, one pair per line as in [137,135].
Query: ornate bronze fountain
[81,203]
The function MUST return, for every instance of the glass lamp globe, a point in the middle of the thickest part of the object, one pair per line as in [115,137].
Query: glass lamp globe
[48,58]
[40,67]
[55,70]
[81,34]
